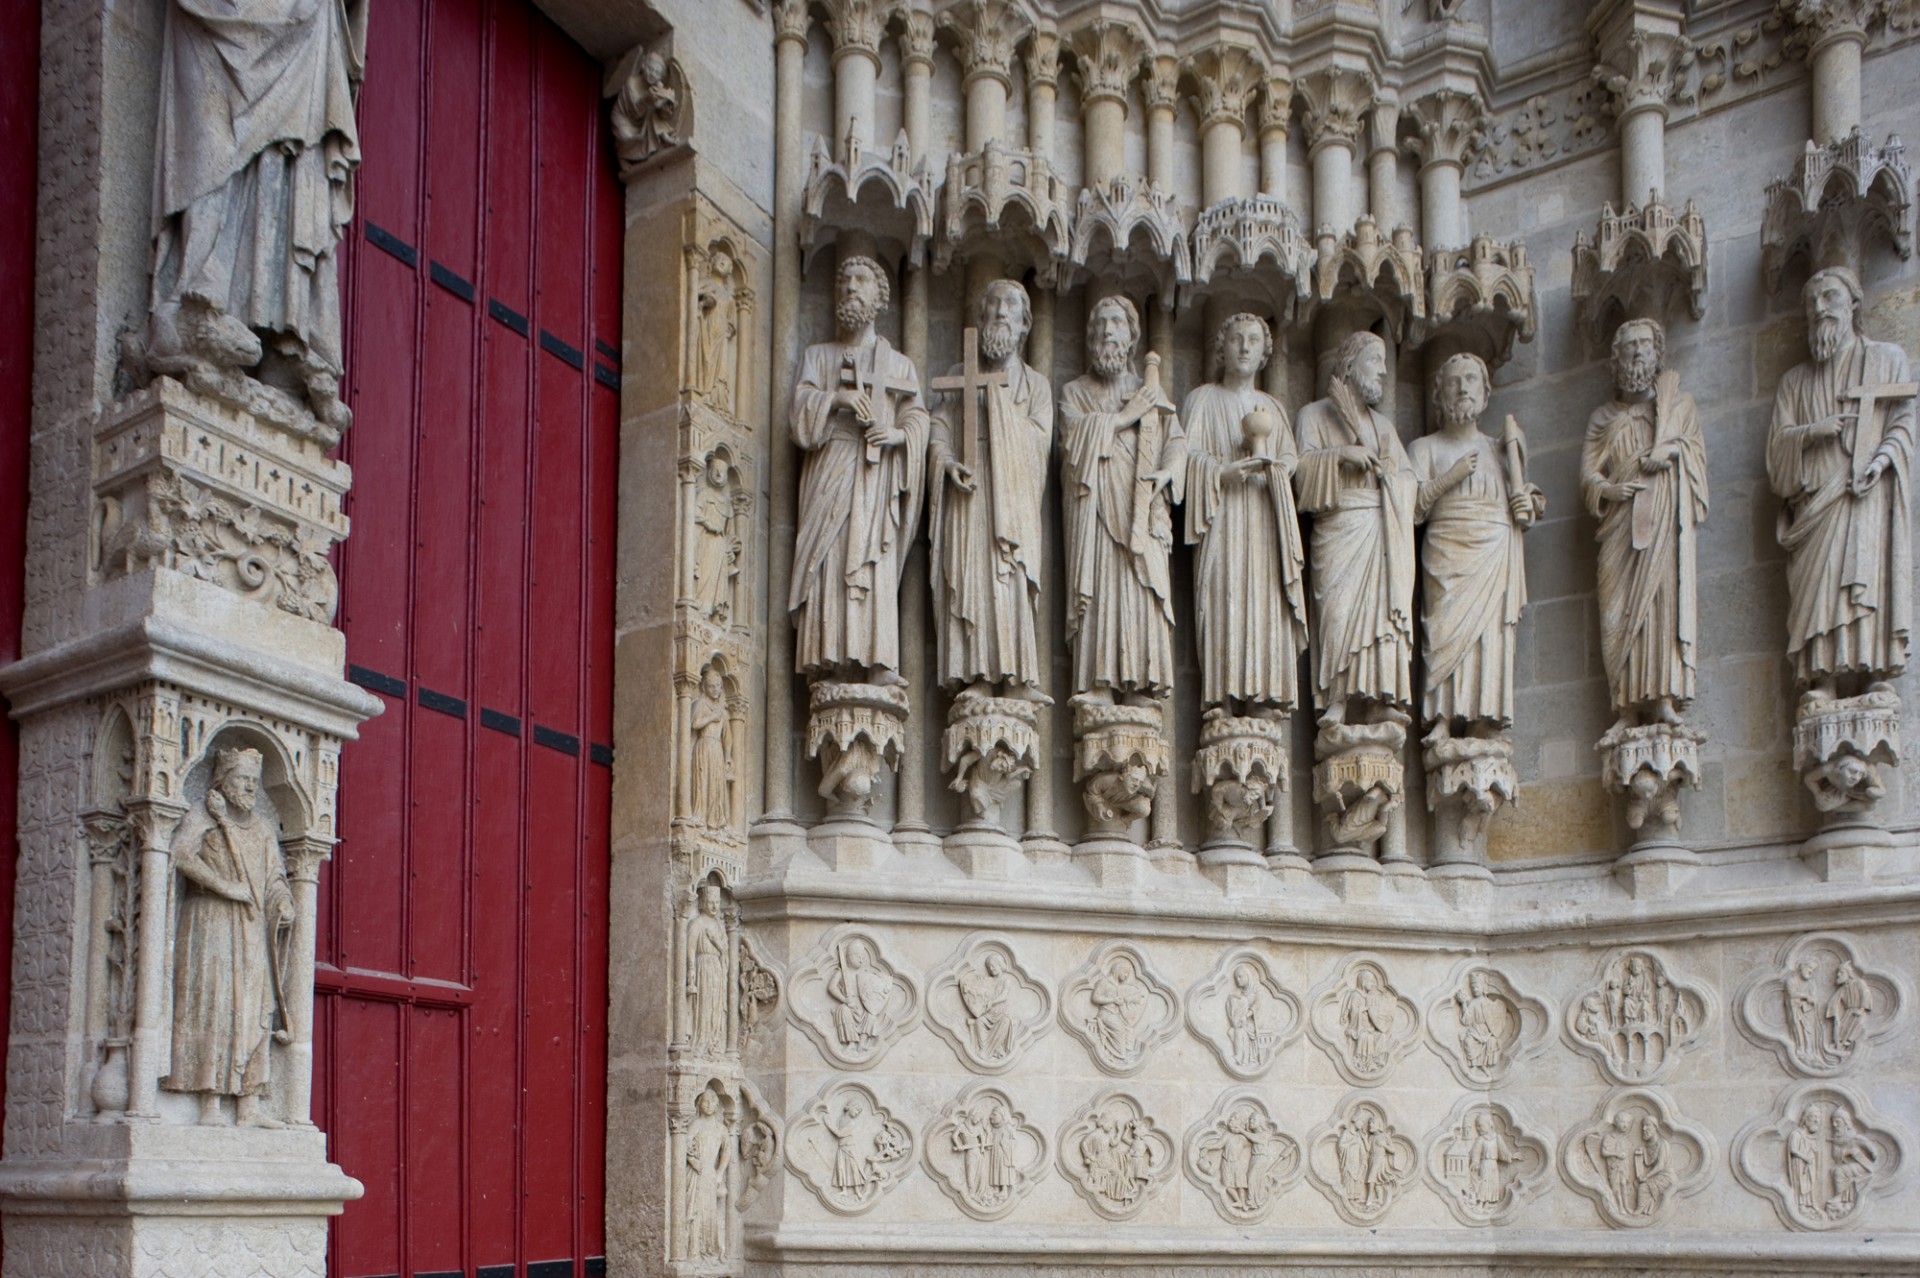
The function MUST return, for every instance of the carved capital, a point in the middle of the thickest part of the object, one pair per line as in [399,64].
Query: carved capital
[856,26]
[1225,79]
[1276,104]
[1106,55]
[1450,127]
[916,37]
[1337,102]
[305,856]
[987,31]
[1160,83]
[1817,23]
[791,20]
[1643,71]
[1043,60]
[1383,125]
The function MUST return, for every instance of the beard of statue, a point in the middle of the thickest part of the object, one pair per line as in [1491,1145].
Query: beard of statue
[1635,376]
[1460,408]
[855,313]
[999,340]
[1828,332]
[1372,389]
[1110,359]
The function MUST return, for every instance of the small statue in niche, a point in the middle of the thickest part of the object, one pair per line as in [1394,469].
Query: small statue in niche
[1839,454]
[709,961]
[1367,1017]
[1476,503]
[709,1159]
[718,330]
[1644,477]
[1119,1005]
[1356,482]
[1487,1025]
[986,992]
[233,929]
[862,994]
[862,430]
[717,547]
[253,189]
[712,728]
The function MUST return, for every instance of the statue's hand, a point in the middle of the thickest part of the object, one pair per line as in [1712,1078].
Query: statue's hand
[960,476]
[1659,457]
[855,402]
[1161,479]
[885,436]
[1354,457]
[1828,427]
[1458,472]
[1520,506]
[1875,468]
[1623,492]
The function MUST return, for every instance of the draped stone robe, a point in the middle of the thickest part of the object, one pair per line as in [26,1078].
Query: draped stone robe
[987,543]
[225,999]
[253,180]
[1649,619]
[1361,550]
[1119,604]
[1251,614]
[1849,568]
[1473,582]
[857,516]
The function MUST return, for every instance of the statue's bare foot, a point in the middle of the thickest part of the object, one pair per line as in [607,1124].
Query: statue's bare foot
[210,1115]
[1101,696]
[1335,715]
[251,1115]
[1025,692]
[1136,698]
[885,678]
[1664,712]
[978,688]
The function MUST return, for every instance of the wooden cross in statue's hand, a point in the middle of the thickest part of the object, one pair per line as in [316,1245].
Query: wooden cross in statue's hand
[880,385]
[970,381]
[1870,428]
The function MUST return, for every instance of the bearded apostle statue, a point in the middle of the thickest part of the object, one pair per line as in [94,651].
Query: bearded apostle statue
[1643,473]
[1475,502]
[1839,455]
[1124,465]
[988,469]
[1357,484]
[1250,611]
[862,431]
[253,188]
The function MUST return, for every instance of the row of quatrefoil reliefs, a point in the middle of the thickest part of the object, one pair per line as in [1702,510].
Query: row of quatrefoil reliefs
[1817,1158]
[1819,1010]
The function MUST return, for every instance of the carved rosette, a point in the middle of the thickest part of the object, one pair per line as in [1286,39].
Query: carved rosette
[1649,764]
[1241,1158]
[1839,200]
[1358,781]
[1482,1026]
[1637,1158]
[1240,765]
[850,1000]
[987,1005]
[848,1148]
[1820,1008]
[1243,1013]
[991,745]
[983,1153]
[1638,1018]
[1641,262]
[1119,1007]
[855,729]
[1839,747]
[1115,1155]
[1119,756]
[1468,780]
[1361,1021]
[1484,1164]
[1819,1156]
[1361,1161]
[1481,297]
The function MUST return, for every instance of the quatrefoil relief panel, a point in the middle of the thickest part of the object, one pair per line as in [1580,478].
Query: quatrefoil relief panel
[1243,1013]
[1638,1018]
[1239,1155]
[849,1148]
[984,1153]
[1482,1026]
[1819,1156]
[987,1005]
[1362,1021]
[1119,1007]
[1115,1155]
[1485,1163]
[1820,1008]
[1637,1158]
[851,1001]
[1361,1161]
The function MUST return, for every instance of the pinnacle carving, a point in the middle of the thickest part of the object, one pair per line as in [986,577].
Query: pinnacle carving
[1225,78]
[1337,101]
[987,31]
[1450,127]
[1106,56]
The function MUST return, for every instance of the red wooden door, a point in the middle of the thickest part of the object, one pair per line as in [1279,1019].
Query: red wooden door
[461,1029]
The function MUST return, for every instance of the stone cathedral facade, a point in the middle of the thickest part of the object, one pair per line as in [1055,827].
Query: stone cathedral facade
[1248,637]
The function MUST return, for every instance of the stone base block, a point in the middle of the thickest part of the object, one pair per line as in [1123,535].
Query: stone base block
[1464,887]
[1289,868]
[849,844]
[1046,850]
[773,843]
[1848,852]
[1235,868]
[1655,868]
[1114,863]
[1350,875]
[984,853]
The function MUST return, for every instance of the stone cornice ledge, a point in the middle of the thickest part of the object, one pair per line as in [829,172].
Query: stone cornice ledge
[1035,1250]
[175,1187]
[157,648]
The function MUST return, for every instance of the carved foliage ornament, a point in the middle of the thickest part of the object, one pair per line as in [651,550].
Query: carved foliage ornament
[850,1000]
[984,1153]
[1361,1161]
[1482,1026]
[1119,1007]
[1820,1008]
[1484,1164]
[1115,1155]
[1639,1018]
[1362,1021]
[1241,1158]
[1819,1156]
[987,1005]
[848,1148]
[1243,1012]
[1636,1159]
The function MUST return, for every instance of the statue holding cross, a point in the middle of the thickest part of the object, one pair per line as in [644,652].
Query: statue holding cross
[988,467]
[1839,454]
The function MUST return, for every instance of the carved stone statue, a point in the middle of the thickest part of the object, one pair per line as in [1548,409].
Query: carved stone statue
[253,188]
[717,544]
[1356,482]
[709,1156]
[718,335]
[712,752]
[859,422]
[1839,455]
[232,929]
[1475,501]
[1643,474]
[709,977]
[988,468]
